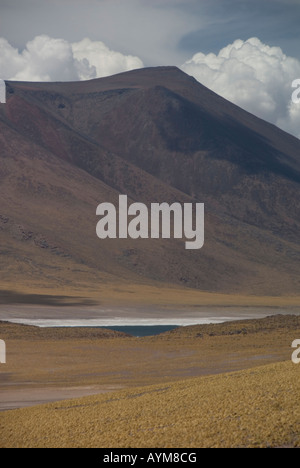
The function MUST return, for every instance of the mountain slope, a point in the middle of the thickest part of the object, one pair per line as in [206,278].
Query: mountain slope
[156,135]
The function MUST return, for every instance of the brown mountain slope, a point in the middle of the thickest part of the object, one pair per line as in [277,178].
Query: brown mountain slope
[156,135]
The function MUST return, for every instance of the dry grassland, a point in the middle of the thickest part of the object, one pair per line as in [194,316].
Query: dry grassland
[220,385]
[72,357]
[253,408]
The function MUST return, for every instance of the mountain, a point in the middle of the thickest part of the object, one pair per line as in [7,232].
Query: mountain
[156,135]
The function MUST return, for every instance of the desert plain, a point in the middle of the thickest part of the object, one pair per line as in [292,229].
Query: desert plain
[227,384]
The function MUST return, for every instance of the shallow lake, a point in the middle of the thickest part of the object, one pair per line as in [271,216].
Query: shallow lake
[140,331]
[136,321]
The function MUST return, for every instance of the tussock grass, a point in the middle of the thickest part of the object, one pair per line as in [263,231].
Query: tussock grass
[229,402]
[78,357]
[27,333]
[252,408]
[239,327]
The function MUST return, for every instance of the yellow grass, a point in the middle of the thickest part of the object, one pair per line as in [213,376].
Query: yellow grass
[74,357]
[196,386]
[253,408]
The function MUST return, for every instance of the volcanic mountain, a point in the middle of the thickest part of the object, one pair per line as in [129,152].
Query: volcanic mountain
[156,135]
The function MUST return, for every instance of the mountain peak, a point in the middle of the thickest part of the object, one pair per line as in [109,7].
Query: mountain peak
[167,76]
[160,70]
[156,135]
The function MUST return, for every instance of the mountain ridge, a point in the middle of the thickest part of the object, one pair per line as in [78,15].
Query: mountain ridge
[156,135]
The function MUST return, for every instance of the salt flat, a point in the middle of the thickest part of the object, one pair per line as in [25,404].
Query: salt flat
[14,398]
[45,316]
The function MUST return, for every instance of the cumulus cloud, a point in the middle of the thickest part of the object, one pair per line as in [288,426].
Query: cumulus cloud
[249,73]
[95,59]
[48,59]
[254,76]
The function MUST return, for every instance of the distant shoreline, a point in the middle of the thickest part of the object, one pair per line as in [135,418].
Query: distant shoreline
[81,317]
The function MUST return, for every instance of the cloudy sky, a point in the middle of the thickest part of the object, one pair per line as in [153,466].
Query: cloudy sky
[246,50]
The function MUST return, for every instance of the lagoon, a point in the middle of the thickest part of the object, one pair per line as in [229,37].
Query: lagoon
[136,321]
[140,331]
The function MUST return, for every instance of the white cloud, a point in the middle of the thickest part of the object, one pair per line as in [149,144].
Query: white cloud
[94,59]
[48,59]
[249,73]
[254,76]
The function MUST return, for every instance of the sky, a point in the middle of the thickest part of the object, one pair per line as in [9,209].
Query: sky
[248,51]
